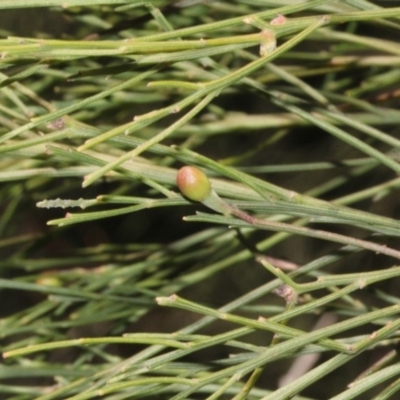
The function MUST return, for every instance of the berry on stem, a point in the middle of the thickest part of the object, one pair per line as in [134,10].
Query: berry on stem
[193,183]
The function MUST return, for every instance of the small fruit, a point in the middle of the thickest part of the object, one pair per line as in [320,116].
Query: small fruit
[193,183]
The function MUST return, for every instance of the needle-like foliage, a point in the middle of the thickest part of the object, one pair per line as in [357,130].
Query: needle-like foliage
[274,275]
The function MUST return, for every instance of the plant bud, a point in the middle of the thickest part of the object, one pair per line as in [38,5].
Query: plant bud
[193,183]
[267,43]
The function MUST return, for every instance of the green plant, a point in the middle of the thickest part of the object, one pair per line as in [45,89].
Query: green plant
[287,112]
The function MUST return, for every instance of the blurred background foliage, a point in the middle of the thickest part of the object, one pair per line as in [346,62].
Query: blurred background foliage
[83,84]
